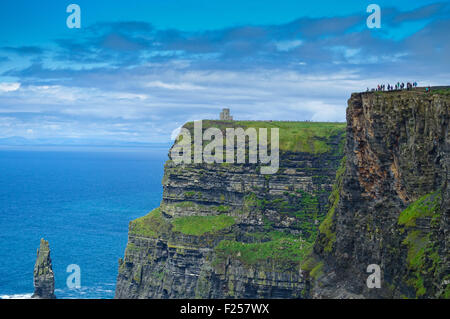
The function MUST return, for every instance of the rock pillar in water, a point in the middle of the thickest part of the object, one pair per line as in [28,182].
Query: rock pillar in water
[44,279]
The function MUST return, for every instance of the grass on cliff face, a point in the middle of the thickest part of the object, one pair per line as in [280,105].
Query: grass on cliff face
[420,252]
[307,137]
[423,259]
[281,254]
[195,206]
[199,225]
[327,236]
[446,293]
[303,207]
[313,265]
[426,206]
[150,225]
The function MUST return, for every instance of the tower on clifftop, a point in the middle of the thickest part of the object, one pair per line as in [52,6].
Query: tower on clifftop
[225,115]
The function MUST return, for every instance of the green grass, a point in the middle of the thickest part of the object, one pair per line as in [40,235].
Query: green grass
[445,91]
[199,225]
[185,204]
[317,271]
[283,253]
[426,206]
[416,242]
[304,207]
[423,260]
[195,206]
[189,194]
[307,137]
[328,237]
[223,208]
[152,225]
[271,235]
[446,294]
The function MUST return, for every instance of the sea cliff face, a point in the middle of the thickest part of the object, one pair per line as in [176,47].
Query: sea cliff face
[313,229]
[228,231]
[390,203]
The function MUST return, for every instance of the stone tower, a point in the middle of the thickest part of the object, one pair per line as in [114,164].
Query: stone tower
[225,115]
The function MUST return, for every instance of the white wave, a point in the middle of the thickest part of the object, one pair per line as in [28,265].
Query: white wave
[103,291]
[16,296]
[94,292]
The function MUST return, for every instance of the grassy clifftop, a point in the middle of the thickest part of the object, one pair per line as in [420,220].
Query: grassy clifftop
[306,137]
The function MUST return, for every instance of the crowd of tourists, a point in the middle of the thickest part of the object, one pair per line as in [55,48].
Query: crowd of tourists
[395,87]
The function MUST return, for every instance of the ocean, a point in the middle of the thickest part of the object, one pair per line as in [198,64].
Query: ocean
[81,201]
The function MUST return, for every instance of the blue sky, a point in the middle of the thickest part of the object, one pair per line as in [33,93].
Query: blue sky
[137,70]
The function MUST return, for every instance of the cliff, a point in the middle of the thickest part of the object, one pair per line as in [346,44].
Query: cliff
[390,202]
[319,226]
[228,231]
[44,279]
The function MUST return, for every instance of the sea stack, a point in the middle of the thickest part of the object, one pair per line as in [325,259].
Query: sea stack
[44,279]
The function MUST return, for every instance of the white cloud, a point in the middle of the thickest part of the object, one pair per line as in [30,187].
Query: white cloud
[174,86]
[288,45]
[129,96]
[146,106]
[9,87]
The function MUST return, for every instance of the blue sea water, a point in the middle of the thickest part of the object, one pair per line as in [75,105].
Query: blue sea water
[79,200]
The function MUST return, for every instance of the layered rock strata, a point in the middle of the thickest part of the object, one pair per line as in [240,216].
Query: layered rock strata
[390,204]
[228,231]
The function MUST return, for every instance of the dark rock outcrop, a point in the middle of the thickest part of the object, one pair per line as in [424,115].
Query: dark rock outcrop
[44,279]
[227,231]
[391,201]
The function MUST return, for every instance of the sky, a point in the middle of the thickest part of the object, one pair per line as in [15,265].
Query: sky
[138,69]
